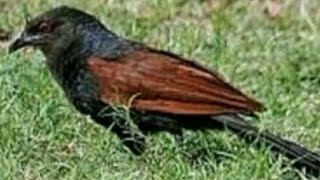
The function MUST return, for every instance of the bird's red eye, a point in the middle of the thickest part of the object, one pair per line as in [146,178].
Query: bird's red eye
[45,27]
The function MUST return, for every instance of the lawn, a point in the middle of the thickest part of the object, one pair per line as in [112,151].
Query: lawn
[274,57]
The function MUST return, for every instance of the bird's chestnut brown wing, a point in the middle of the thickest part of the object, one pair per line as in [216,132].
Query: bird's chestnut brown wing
[151,80]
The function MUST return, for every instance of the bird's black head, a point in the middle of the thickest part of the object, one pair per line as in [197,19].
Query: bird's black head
[55,29]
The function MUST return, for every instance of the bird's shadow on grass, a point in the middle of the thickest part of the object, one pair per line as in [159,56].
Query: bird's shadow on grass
[196,149]
[200,150]
[209,151]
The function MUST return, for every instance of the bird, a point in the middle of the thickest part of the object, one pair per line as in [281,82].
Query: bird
[101,72]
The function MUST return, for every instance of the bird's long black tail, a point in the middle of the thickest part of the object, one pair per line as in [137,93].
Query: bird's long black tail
[302,157]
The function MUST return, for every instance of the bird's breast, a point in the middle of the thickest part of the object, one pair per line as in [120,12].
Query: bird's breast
[76,81]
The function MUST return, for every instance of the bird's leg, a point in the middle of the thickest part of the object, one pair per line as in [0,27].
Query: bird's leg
[121,125]
[130,137]
[133,140]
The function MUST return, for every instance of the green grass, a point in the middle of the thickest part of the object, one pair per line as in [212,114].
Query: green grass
[276,60]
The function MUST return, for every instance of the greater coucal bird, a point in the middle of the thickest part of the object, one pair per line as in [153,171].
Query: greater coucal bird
[99,70]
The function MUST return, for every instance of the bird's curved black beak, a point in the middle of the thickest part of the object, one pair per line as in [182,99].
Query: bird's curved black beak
[23,40]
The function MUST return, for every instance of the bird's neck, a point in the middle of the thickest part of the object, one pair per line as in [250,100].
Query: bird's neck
[86,43]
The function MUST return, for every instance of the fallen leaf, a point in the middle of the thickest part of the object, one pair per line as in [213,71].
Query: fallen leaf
[273,9]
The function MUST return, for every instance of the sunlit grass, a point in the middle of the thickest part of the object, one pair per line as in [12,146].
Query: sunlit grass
[275,60]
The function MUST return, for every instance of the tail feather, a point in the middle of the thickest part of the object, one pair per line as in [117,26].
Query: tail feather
[303,158]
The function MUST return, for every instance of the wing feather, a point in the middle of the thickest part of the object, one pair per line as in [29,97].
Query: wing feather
[166,83]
